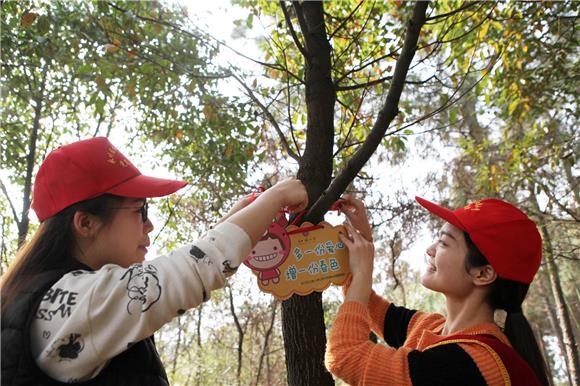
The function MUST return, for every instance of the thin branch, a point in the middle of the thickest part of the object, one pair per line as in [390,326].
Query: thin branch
[379,81]
[198,37]
[5,191]
[554,199]
[472,29]
[289,110]
[339,149]
[445,15]
[357,86]
[292,31]
[345,20]
[271,118]
[266,341]
[355,38]
[303,26]
[241,333]
[362,67]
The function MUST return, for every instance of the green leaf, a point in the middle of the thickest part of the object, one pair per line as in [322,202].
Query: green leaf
[513,106]
[43,24]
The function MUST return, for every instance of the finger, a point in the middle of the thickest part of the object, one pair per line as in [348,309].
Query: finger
[351,228]
[298,207]
[345,240]
[349,209]
[352,231]
[355,203]
[349,199]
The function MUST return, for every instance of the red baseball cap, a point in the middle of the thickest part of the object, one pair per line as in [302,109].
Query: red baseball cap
[87,169]
[504,234]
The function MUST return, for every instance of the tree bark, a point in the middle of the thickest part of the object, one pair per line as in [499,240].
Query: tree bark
[570,345]
[302,316]
[241,333]
[180,328]
[305,337]
[264,352]
[31,158]
[556,327]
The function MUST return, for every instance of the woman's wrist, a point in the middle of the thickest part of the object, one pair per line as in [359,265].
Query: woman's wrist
[360,289]
[272,197]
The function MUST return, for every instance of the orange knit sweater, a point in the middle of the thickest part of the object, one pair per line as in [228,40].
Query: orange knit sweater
[351,356]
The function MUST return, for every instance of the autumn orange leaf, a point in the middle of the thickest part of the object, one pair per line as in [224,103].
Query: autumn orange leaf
[27,19]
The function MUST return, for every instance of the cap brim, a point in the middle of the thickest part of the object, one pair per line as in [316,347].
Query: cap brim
[441,212]
[142,186]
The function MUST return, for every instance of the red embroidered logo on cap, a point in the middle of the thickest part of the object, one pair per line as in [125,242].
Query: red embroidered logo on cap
[112,160]
[475,205]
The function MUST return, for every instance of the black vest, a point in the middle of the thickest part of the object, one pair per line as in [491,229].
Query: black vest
[139,365]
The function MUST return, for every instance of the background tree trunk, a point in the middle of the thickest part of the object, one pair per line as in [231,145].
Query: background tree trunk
[570,345]
[264,353]
[31,158]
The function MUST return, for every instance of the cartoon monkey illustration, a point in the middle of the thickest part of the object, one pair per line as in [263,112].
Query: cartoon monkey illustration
[143,287]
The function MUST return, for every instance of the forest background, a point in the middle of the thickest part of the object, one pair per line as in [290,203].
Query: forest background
[453,101]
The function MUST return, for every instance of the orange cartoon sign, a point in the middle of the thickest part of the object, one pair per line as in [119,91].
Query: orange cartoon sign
[299,260]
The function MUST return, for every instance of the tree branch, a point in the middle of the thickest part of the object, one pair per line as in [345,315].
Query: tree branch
[338,150]
[5,191]
[288,108]
[386,115]
[445,15]
[345,20]
[447,104]
[303,27]
[362,67]
[355,39]
[291,28]
[271,118]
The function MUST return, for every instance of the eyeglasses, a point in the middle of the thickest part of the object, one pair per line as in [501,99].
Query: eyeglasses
[144,210]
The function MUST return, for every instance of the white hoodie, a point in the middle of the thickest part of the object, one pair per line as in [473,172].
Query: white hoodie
[88,317]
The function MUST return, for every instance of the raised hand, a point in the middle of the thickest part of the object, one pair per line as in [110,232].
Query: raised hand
[256,217]
[361,260]
[292,194]
[355,210]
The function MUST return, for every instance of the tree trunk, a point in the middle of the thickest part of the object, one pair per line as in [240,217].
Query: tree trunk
[555,327]
[241,332]
[264,352]
[538,333]
[302,316]
[570,345]
[30,159]
[198,335]
[180,328]
[305,337]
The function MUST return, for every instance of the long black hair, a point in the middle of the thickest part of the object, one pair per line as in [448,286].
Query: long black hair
[509,295]
[52,245]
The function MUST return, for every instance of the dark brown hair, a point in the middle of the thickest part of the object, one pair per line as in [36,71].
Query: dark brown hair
[51,247]
[509,295]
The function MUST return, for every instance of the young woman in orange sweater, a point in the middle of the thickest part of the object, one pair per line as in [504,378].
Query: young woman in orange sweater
[483,262]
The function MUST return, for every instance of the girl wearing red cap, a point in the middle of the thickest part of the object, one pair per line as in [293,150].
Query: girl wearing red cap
[482,262]
[79,303]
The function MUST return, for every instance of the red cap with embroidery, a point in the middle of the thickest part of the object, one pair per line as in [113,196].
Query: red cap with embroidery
[87,169]
[508,239]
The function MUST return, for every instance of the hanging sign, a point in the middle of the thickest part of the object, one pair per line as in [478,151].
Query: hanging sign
[299,260]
